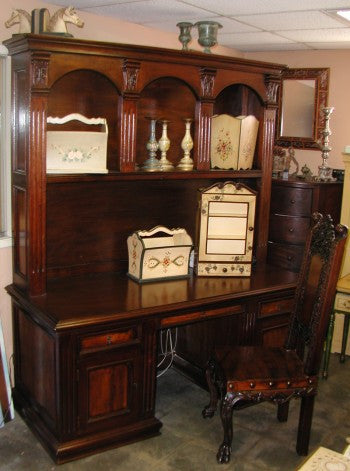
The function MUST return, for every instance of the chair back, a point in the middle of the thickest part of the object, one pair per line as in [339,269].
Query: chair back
[315,291]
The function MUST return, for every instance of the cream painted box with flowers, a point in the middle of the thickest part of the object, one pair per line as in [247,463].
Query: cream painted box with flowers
[233,141]
[76,151]
[159,253]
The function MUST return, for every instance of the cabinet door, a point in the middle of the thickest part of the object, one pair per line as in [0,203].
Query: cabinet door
[109,388]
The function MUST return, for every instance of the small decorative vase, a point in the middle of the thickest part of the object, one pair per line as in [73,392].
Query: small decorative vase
[207,34]
[186,163]
[152,163]
[164,144]
[185,34]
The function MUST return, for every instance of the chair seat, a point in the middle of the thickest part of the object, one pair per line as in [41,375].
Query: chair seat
[261,368]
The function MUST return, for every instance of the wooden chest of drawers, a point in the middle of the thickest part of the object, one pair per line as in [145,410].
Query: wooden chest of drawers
[292,203]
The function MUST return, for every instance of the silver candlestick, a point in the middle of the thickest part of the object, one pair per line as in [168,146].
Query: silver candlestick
[152,164]
[324,172]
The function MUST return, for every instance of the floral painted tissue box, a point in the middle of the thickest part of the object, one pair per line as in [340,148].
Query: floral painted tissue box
[160,253]
[76,151]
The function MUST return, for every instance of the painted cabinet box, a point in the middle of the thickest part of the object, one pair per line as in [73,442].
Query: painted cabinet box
[226,229]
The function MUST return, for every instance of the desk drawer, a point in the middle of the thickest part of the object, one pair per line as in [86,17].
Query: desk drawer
[289,229]
[275,307]
[342,302]
[183,319]
[111,339]
[291,201]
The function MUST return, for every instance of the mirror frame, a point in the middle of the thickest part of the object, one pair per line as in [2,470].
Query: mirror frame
[321,77]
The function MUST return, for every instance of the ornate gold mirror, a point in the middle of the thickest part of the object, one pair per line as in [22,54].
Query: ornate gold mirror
[303,94]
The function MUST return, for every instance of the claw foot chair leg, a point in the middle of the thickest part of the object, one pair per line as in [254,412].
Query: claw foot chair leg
[224,452]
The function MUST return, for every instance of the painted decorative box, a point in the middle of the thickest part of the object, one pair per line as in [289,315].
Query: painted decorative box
[233,141]
[76,151]
[160,253]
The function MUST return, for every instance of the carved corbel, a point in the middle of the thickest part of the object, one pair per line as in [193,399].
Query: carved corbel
[207,77]
[272,83]
[130,76]
[39,73]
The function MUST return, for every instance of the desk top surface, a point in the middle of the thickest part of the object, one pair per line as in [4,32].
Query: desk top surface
[87,300]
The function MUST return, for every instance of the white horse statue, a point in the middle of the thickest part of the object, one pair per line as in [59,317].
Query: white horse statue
[22,18]
[57,22]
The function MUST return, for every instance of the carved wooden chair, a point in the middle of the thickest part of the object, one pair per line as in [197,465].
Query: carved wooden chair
[243,376]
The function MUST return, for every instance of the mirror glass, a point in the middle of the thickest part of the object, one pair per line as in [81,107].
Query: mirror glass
[303,94]
[298,108]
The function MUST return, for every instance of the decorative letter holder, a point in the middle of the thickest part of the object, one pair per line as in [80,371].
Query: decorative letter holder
[225,230]
[160,253]
[77,151]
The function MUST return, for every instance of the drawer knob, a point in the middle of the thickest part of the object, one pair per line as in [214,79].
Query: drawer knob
[289,258]
[291,229]
[108,340]
[292,201]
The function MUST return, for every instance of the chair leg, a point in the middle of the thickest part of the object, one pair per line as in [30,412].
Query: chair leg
[282,411]
[210,409]
[305,421]
[226,410]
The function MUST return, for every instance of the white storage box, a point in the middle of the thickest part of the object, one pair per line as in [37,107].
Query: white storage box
[77,151]
[160,253]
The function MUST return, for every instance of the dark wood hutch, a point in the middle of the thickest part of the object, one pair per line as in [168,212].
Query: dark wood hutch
[85,335]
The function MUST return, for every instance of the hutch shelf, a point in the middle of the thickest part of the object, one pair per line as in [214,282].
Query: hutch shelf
[85,336]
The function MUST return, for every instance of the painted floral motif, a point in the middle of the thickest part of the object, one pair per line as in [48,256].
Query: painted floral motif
[76,154]
[166,261]
[224,147]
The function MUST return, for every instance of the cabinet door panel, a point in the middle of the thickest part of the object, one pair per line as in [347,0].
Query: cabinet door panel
[109,389]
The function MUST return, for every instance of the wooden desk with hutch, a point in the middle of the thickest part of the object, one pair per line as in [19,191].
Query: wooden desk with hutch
[85,336]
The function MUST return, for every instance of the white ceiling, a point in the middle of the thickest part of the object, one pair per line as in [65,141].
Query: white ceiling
[248,25]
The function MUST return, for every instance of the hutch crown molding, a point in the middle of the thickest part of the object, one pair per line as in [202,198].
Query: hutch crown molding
[85,334]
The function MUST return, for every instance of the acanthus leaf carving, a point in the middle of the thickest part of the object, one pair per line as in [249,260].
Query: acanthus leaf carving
[130,75]
[207,77]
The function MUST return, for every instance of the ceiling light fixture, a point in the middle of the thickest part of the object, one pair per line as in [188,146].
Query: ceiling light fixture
[344,14]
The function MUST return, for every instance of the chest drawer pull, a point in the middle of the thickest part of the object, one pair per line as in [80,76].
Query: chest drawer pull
[290,257]
[292,201]
[291,229]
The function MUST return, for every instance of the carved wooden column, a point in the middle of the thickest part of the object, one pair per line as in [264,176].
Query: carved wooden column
[29,175]
[268,137]
[204,112]
[128,116]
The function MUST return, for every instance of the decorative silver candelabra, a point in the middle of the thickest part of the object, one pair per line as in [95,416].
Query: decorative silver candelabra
[324,172]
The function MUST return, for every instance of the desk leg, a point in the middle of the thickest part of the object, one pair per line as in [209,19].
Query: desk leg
[328,345]
[345,337]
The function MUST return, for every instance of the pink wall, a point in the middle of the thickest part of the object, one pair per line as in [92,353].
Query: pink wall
[102,28]
[339,96]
